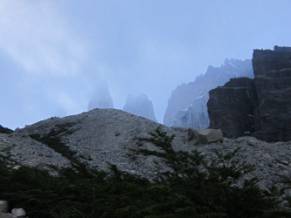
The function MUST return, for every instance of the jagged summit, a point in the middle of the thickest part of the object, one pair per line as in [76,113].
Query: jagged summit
[187,104]
[140,105]
[101,98]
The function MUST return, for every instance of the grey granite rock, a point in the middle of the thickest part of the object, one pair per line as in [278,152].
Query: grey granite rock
[261,107]
[22,150]
[232,107]
[273,86]
[101,137]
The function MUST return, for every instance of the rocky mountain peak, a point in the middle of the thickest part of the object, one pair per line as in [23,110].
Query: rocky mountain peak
[187,106]
[260,107]
[140,105]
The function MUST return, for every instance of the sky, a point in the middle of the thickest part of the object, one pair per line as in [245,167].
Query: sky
[54,53]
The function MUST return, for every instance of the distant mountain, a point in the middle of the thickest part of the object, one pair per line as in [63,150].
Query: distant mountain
[140,105]
[101,98]
[187,104]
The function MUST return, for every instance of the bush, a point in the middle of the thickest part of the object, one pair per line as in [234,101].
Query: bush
[193,188]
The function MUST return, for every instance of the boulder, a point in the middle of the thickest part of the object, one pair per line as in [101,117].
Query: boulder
[18,212]
[208,136]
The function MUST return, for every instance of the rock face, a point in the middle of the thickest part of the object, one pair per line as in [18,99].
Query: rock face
[140,105]
[187,105]
[273,85]
[101,98]
[211,135]
[260,107]
[232,107]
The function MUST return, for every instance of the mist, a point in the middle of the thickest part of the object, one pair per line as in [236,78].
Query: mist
[55,54]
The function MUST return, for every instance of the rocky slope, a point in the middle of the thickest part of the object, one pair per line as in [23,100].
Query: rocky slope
[107,136]
[187,104]
[259,107]
[5,130]
[19,150]
[102,137]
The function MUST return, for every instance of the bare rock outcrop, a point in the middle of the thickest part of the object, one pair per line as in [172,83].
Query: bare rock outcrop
[232,106]
[259,107]
[107,136]
[273,86]
[19,150]
[102,137]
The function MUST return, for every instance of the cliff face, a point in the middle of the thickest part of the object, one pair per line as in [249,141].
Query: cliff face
[273,85]
[232,107]
[261,107]
[187,106]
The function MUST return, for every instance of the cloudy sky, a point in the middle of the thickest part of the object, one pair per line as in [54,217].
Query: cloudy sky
[53,53]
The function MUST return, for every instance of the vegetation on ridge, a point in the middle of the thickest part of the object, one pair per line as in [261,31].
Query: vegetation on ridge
[193,188]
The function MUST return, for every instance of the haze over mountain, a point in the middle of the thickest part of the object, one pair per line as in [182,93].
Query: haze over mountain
[101,98]
[140,105]
[53,53]
[187,106]
[209,137]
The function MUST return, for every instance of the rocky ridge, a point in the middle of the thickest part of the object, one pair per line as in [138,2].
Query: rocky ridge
[106,136]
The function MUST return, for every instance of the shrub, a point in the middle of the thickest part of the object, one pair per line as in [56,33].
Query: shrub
[192,188]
